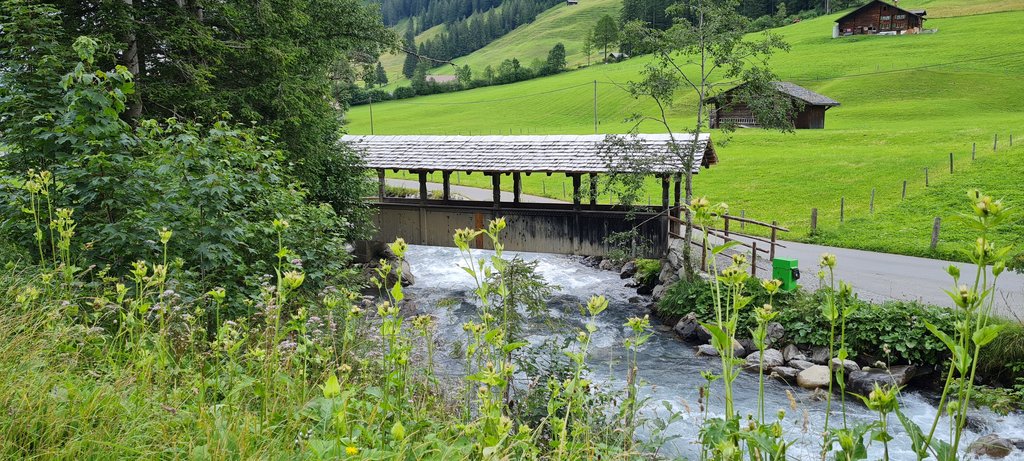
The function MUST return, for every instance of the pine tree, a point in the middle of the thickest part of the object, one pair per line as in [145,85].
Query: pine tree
[382,77]
[409,67]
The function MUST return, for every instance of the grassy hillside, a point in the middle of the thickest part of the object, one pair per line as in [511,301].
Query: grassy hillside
[393,62]
[906,103]
[562,23]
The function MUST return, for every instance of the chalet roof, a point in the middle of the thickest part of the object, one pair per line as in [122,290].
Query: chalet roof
[804,94]
[792,90]
[527,154]
[919,13]
[442,78]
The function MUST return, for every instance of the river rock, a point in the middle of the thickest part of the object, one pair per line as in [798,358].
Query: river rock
[646,289]
[787,374]
[992,446]
[748,344]
[687,327]
[848,365]
[791,352]
[819,355]
[703,335]
[592,261]
[863,381]
[799,364]
[774,332]
[814,377]
[668,275]
[606,265]
[659,292]
[772,359]
[708,350]
[628,270]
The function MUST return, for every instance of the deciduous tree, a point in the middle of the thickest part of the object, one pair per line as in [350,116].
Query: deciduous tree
[606,33]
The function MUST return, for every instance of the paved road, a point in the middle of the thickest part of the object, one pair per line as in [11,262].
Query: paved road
[884,276]
[471,193]
[874,276]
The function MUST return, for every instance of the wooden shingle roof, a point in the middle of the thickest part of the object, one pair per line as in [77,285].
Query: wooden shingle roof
[526,154]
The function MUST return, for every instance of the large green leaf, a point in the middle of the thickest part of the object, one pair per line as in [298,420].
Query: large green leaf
[986,335]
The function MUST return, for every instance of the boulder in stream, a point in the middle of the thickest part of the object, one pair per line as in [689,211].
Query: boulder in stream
[799,364]
[992,446]
[787,374]
[791,352]
[848,365]
[863,381]
[606,265]
[687,328]
[628,270]
[819,355]
[772,359]
[814,377]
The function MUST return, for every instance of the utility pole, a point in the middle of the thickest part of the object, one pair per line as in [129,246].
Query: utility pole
[595,106]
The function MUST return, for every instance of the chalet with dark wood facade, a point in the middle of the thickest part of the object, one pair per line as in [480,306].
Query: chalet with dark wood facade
[880,18]
[728,109]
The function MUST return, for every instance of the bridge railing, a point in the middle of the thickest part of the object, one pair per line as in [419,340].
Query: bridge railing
[746,240]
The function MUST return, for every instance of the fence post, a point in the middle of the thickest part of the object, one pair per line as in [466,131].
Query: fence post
[935,232]
[872,199]
[950,163]
[974,150]
[842,209]
[904,190]
[1011,140]
[771,251]
[563,191]
[814,221]
[925,176]
[995,142]
[743,214]
[725,219]
[753,259]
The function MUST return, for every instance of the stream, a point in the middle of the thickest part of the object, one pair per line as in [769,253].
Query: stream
[669,366]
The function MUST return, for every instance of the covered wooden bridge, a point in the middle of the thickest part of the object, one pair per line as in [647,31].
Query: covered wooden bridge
[563,228]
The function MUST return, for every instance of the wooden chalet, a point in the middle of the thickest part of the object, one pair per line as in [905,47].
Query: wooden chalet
[729,109]
[880,18]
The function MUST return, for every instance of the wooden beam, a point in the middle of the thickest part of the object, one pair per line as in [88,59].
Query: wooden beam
[593,190]
[381,189]
[664,192]
[496,189]
[446,180]
[517,187]
[576,191]
[678,192]
[423,185]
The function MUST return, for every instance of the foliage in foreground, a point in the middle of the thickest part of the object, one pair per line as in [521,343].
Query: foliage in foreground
[129,367]
[973,329]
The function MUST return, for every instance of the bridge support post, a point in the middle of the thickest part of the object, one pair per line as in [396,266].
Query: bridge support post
[593,191]
[664,192]
[496,186]
[576,192]
[381,190]
[446,186]
[423,186]
[517,187]
[677,210]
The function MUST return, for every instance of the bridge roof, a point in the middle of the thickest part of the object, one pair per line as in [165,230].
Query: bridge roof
[529,154]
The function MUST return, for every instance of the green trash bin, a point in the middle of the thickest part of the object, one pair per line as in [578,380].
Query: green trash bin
[786,270]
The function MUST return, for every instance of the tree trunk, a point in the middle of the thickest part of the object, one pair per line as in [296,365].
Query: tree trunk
[131,61]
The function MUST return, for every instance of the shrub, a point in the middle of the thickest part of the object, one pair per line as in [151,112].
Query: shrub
[892,331]
[647,270]
[404,92]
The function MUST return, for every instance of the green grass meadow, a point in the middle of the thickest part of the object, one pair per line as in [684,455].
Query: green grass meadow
[907,102]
